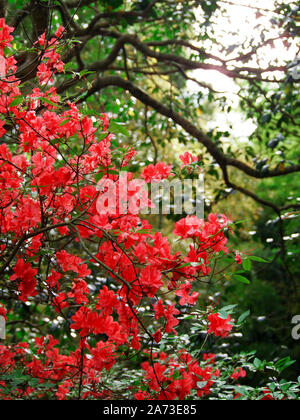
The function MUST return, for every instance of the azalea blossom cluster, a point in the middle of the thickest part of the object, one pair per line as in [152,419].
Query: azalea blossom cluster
[194,374]
[54,242]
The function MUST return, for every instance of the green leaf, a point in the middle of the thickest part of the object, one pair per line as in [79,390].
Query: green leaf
[117,128]
[143,231]
[98,177]
[101,137]
[258,259]
[189,264]
[241,221]
[243,317]
[16,101]
[258,363]
[242,279]
[49,102]
[64,122]
[285,387]
[284,363]
[228,308]
[222,314]
[247,265]
[272,386]
[113,172]
[85,72]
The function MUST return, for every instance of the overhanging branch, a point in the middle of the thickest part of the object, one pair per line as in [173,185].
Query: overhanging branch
[212,148]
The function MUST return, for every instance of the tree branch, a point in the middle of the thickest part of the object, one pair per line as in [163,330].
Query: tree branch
[212,148]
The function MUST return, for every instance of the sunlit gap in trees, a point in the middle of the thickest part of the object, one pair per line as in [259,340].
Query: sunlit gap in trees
[235,29]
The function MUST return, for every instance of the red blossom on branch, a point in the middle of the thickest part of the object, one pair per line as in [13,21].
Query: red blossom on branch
[218,326]
[52,196]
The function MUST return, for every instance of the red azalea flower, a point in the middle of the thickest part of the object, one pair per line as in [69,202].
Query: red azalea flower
[2,311]
[155,173]
[238,259]
[187,159]
[238,373]
[219,326]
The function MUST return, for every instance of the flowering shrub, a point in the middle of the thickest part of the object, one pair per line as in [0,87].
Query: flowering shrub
[58,233]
